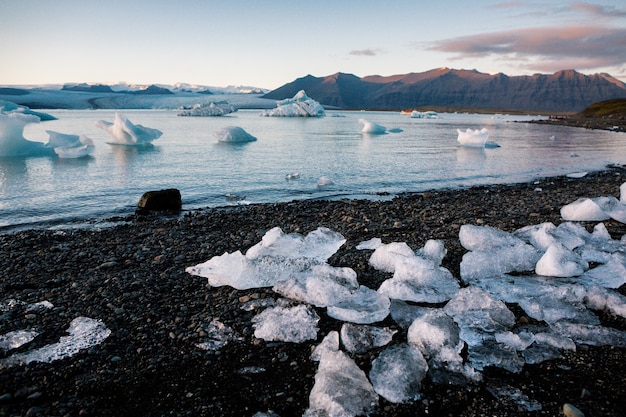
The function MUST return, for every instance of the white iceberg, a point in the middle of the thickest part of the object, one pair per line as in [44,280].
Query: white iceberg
[124,132]
[372,127]
[424,114]
[12,141]
[210,109]
[70,146]
[473,138]
[233,134]
[299,105]
[324,181]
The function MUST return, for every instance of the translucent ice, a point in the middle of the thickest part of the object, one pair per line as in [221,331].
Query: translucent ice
[365,306]
[434,250]
[299,105]
[433,332]
[233,134]
[361,338]
[473,138]
[386,256]
[475,308]
[319,244]
[330,343]
[341,388]
[12,141]
[296,324]
[124,132]
[585,209]
[323,285]
[218,335]
[69,146]
[485,238]
[397,373]
[513,397]
[83,332]
[372,127]
[15,339]
[373,243]
[558,261]
[209,109]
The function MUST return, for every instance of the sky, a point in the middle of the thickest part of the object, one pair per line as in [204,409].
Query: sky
[268,43]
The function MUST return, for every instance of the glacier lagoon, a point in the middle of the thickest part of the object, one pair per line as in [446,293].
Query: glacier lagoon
[286,162]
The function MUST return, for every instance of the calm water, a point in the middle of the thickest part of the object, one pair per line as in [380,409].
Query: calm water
[46,191]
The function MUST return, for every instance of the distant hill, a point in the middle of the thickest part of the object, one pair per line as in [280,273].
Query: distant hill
[563,91]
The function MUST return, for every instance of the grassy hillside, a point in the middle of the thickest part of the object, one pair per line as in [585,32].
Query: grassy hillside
[614,109]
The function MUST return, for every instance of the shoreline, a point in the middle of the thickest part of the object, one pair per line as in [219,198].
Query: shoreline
[132,276]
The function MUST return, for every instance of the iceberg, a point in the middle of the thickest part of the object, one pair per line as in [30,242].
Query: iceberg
[299,105]
[10,107]
[473,138]
[371,127]
[124,132]
[424,114]
[210,109]
[12,141]
[70,146]
[233,134]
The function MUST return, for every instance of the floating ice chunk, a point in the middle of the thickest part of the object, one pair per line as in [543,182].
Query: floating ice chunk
[373,244]
[209,109]
[424,114]
[419,280]
[292,176]
[70,146]
[386,256]
[124,132]
[558,261]
[341,388]
[324,181]
[397,373]
[299,105]
[83,332]
[473,138]
[585,209]
[330,343]
[361,338]
[319,244]
[8,107]
[12,141]
[323,285]
[15,339]
[218,335]
[296,324]
[365,306]
[372,127]
[233,134]
[476,308]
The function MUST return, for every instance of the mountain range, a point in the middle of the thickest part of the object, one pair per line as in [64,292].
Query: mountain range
[563,91]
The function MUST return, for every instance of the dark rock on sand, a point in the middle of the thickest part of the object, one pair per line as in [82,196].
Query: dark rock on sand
[162,200]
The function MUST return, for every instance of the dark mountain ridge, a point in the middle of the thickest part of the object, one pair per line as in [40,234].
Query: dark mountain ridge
[563,91]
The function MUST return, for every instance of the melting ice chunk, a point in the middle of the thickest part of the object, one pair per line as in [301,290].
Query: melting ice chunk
[372,127]
[124,132]
[558,261]
[233,134]
[364,306]
[296,324]
[397,373]
[218,335]
[299,105]
[12,141]
[83,332]
[330,343]
[473,138]
[341,388]
[15,339]
[69,146]
[320,244]
[361,338]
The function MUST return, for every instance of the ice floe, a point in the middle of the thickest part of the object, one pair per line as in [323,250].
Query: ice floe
[233,134]
[124,132]
[372,127]
[559,276]
[473,138]
[299,105]
[12,141]
[70,146]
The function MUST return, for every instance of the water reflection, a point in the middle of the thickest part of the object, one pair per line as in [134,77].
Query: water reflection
[465,155]
[123,155]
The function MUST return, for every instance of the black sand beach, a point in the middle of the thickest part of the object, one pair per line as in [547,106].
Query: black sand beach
[133,277]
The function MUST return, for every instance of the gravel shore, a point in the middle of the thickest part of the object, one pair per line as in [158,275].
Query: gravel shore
[132,277]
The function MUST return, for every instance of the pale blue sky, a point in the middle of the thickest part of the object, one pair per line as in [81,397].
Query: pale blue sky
[267,43]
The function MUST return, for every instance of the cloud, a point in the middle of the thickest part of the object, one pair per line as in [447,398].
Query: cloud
[366,52]
[599,10]
[580,47]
